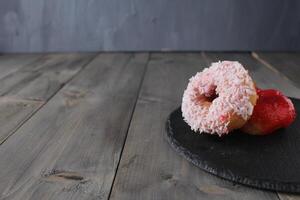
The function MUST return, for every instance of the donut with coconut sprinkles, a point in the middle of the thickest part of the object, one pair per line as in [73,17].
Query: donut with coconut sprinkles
[219,99]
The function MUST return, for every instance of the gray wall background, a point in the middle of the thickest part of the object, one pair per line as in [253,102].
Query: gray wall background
[140,25]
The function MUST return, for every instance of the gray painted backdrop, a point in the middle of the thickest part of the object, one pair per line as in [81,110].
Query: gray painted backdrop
[118,25]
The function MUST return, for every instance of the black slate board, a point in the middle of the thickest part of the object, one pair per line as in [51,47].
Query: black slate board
[266,162]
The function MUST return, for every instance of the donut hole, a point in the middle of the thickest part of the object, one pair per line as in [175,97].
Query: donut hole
[213,97]
[211,94]
[206,98]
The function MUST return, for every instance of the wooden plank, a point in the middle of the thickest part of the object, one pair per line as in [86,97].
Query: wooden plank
[149,168]
[10,63]
[13,113]
[287,64]
[28,81]
[41,79]
[70,149]
[263,76]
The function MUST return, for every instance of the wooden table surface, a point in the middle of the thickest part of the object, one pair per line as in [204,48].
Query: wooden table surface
[91,126]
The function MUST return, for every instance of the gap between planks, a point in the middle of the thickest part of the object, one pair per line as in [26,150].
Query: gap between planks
[128,126]
[38,103]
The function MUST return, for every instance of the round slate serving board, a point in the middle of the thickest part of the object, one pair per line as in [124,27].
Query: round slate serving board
[266,162]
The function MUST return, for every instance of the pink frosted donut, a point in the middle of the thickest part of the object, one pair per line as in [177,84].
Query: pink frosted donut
[219,99]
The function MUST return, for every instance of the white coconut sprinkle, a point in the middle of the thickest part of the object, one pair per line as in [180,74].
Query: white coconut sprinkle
[234,87]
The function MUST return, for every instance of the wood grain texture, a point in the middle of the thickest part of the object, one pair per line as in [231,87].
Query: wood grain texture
[135,25]
[13,113]
[287,64]
[261,75]
[28,81]
[40,79]
[149,168]
[10,63]
[70,149]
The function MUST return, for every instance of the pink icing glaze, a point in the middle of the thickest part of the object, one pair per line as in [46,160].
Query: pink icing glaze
[233,85]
